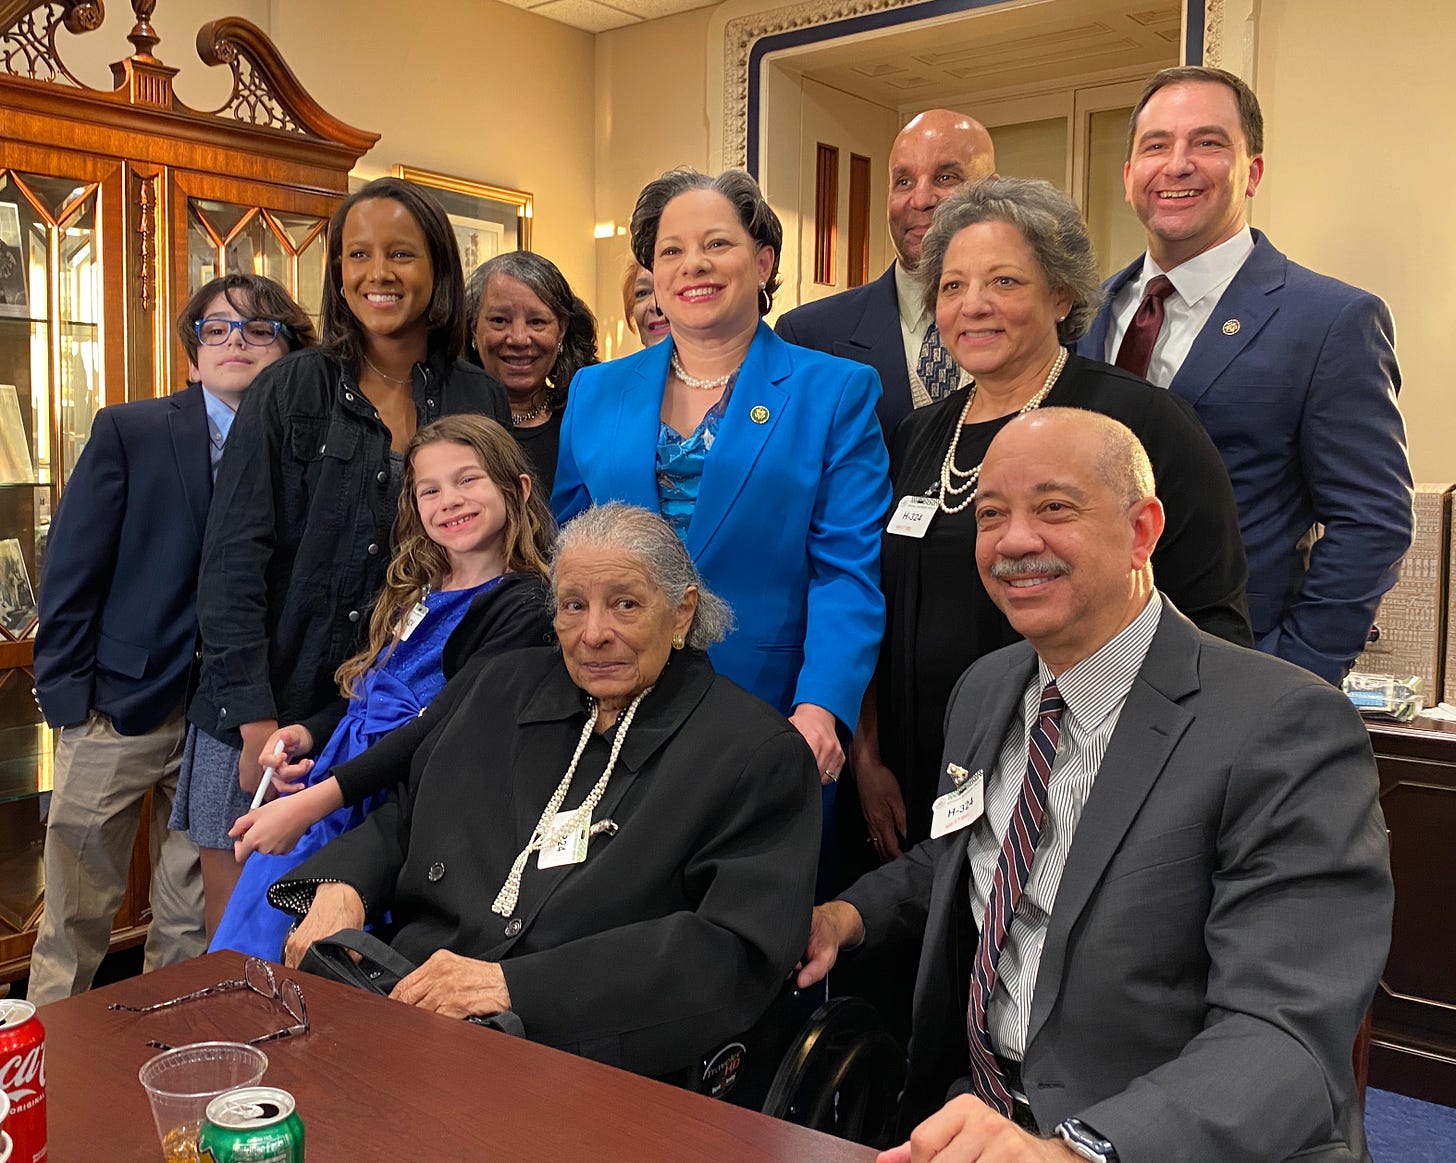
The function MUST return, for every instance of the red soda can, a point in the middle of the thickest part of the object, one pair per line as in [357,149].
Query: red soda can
[22,1077]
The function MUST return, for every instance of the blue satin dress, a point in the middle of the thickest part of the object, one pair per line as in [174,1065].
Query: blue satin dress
[389,696]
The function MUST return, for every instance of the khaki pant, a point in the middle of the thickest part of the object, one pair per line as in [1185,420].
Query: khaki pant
[100,779]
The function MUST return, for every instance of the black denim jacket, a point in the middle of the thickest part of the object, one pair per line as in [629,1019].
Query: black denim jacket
[299,534]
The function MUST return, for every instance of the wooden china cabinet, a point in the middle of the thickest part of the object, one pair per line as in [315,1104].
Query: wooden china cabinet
[114,206]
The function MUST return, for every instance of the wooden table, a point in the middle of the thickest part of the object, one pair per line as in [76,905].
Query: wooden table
[378,1080]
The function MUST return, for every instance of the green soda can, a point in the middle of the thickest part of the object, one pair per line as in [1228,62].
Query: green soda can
[252,1124]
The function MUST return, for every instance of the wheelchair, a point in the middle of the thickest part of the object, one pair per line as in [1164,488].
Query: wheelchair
[839,1071]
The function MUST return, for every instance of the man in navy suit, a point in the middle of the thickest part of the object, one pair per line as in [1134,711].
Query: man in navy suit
[884,323]
[117,638]
[1292,373]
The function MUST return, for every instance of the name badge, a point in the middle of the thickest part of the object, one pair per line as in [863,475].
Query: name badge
[571,848]
[959,807]
[412,621]
[912,516]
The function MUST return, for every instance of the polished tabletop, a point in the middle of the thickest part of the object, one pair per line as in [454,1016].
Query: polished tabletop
[379,1080]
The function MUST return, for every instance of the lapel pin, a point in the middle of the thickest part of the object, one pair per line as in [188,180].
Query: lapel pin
[956,772]
[1231,327]
[758,414]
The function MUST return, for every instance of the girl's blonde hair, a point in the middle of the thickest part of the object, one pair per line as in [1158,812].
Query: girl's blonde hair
[419,565]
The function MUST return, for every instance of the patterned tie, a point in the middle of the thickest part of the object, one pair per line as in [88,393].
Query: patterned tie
[1018,850]
[937,371]
[1136,351]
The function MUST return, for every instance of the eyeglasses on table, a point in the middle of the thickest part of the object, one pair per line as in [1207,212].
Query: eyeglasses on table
[257,978]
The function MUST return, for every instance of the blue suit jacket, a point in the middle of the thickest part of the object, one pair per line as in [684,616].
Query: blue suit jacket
[862,324]
[118,599]
[787,524]
[1301,402]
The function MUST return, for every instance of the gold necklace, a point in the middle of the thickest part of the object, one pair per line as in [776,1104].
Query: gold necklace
[382,375]
[949,474]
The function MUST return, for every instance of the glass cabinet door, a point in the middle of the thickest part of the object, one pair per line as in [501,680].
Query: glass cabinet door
[51,373]
[223,239]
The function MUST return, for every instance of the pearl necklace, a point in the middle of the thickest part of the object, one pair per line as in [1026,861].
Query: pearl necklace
[693,381]
[383,376]
[949,474]
[545,836]
[520,418]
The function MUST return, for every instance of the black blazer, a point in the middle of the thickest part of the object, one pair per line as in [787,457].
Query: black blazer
[118,597]
[862,324]
[683,922]
[299,536]
[512,615]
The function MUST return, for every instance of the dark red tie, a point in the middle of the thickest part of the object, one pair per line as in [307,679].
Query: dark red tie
[1018,850]
[1136,351]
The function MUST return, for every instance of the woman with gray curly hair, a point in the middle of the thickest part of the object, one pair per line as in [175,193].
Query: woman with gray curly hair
[532,332]
[1008,271]
[609,840]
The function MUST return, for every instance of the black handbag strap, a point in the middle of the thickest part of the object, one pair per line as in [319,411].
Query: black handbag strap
[379,969]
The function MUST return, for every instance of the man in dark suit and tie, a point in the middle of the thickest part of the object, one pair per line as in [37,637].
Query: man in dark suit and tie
[1157,897]
[117,638]
[884,323]
[1292,373]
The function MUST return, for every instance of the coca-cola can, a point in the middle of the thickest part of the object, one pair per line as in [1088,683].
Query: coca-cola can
[22,1077]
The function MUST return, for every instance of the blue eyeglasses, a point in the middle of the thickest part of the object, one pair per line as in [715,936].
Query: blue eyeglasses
[256,332]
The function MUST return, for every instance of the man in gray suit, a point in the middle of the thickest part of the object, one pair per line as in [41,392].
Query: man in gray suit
[1157,896]
[884,323]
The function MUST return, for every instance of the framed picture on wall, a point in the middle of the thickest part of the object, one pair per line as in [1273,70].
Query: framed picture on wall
[487,219]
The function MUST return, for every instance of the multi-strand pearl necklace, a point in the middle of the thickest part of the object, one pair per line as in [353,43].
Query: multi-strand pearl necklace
[544,835]
[956,483]
[693,381]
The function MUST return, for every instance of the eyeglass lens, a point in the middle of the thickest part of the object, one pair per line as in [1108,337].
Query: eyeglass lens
[256,332]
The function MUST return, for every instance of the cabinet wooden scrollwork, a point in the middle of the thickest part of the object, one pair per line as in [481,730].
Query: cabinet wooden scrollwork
[114,205]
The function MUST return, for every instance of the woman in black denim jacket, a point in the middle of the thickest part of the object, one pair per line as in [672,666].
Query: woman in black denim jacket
[306,495]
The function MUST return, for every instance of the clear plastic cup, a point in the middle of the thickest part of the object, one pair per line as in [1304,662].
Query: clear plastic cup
[181,1082]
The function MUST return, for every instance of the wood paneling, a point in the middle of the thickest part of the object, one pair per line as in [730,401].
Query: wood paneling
[270,145]
[1413,1044]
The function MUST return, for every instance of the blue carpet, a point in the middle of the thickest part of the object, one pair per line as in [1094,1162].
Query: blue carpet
[1406,1130]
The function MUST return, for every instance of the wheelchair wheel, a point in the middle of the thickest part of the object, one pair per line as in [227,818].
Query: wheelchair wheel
[842,1075]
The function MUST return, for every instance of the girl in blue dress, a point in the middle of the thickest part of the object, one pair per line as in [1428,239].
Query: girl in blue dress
[468,580]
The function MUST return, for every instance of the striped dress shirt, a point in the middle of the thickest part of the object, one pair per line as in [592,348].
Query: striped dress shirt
[1094,690]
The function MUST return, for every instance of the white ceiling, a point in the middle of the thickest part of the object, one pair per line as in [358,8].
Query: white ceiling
[602,15]
[998,48]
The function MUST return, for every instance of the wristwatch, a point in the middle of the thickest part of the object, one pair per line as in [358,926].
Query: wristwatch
[1086,1142]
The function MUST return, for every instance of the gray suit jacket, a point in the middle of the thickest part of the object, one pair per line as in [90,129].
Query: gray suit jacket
[1221,923]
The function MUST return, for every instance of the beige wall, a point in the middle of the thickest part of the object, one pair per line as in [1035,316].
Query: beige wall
[804,113]
[1359,103]
[481,90]
[651,115]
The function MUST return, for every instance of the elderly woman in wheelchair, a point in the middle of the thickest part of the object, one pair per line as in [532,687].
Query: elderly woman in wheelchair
[609,841]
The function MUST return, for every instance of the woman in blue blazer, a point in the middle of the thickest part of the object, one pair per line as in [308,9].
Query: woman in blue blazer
[781,484]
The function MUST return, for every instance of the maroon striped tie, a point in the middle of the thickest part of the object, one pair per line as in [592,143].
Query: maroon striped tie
[1018,850]
[1136,349]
